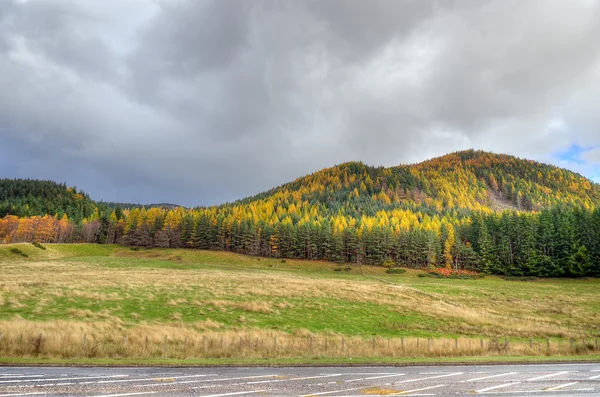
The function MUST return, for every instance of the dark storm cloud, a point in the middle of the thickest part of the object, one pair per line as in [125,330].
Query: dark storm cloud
[200,102]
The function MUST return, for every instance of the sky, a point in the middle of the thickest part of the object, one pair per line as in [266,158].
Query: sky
[199,102]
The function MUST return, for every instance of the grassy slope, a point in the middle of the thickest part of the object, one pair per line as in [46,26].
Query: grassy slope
[111,289]
[101,282]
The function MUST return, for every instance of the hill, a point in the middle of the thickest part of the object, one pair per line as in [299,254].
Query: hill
[469,210]
[472,180]
[28,197]
[114,205]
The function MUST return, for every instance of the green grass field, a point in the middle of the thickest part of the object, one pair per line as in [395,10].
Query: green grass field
[105,292]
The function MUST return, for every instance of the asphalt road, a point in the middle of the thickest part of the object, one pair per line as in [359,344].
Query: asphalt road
[506,380]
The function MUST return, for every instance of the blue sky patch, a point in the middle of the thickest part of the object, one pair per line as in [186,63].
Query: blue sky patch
[574,159]
[572,154]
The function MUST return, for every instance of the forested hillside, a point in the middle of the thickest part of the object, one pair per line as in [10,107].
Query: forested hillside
[26,197]
[467,210]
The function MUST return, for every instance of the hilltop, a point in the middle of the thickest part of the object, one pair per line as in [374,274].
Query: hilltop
[471,180]
[469,210]
[114,205]
[30,197]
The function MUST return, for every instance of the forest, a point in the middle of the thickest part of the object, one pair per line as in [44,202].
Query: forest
[469,210]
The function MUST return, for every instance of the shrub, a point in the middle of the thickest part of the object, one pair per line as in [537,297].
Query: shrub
[389,263]
[347,268]
[38,245]
[17,251]
[338,269]
[283,261]
[396,270]
[454,274]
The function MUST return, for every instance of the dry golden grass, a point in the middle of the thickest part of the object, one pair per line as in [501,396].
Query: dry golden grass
[14,303]
[111,339]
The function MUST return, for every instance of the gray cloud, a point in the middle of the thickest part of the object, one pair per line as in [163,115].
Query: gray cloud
[200,102]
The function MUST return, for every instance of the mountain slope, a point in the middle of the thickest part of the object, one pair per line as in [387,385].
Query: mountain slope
[467,180]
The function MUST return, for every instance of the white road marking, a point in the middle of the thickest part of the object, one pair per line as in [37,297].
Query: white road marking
[562,386]
[55,379]
[126,394]
[24,394]
[222,379]
[156,379]
[548,376]
[431,377]
[235,393]
[330,392]
[238,384]
[594,377]
[184,382]
[373,377]
[51,384]
[414,390]
[21,376]
[292,379]
[488,377]
[497,387]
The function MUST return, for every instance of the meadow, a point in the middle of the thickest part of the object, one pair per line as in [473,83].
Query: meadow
[83,301]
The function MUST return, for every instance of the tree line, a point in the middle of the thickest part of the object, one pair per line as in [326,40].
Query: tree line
[550,243]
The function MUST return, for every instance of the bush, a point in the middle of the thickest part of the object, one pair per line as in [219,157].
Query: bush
[38,245]
[347,268]
[283,261]
[338,269]
[389,263]
[395,271]
[453,274]
[17,251]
